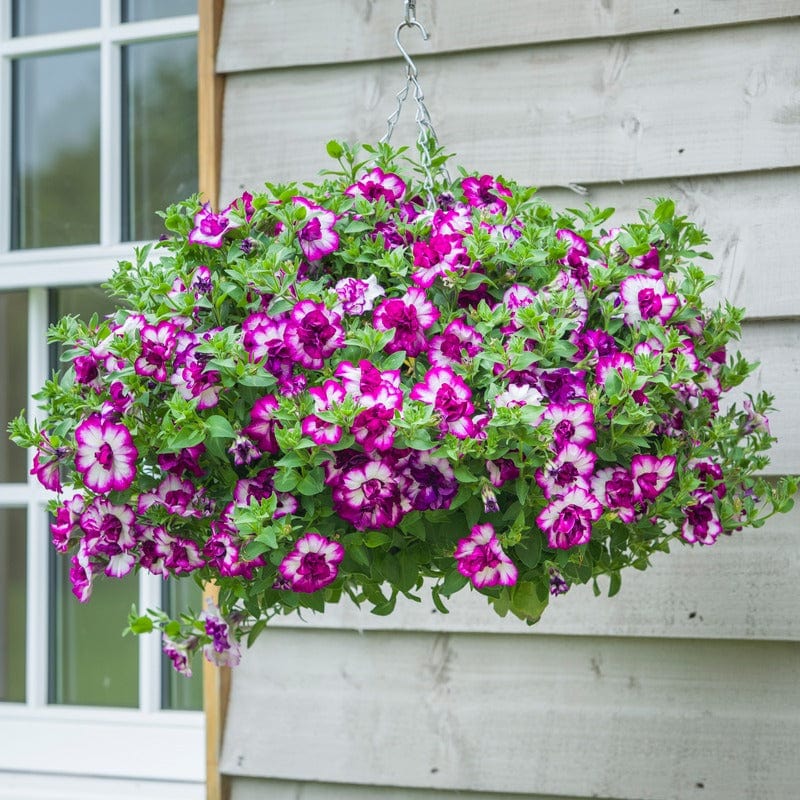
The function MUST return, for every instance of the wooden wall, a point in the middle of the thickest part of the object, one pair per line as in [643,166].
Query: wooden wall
[687,684]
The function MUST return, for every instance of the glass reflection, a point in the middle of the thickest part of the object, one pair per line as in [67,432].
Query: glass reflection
[13,379]
[159,131]
[56,150]
[12,604]
[138,10]
[32,17]
[178,692]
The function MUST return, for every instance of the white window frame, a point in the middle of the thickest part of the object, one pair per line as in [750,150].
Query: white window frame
[39,739]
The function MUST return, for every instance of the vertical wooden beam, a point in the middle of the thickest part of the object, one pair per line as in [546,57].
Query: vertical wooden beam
[210,89]
[216,690]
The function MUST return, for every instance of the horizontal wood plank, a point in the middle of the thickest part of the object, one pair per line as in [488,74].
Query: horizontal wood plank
[259,789]
[737,589]
[594,717]
[259,35]
[776,345]
[676,105]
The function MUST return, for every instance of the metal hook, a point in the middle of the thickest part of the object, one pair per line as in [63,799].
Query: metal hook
[411,12]
[412,68]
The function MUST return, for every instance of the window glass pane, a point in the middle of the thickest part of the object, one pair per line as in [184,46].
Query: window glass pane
[136,10]
[30,17]
[56,150]
[91,663]
[13,379]
[159,131]
[179,692]
[12,604]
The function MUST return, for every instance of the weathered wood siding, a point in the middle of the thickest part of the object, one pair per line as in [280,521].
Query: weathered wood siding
[685,685]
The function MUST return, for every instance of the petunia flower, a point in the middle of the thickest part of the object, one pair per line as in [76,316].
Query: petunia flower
[312,564]
[480,558]
[645,298]
[567,521]
[106,455]
[486,193]
[458,342]
[313,334]
[651,476]
[317,237]
[409,316]
[701,523]
[356,296]
[571,466]
[450,397]
[573,423]
[377,185]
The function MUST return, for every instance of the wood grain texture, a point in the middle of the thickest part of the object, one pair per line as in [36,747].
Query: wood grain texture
[600,717]
[737,589]
[260,35]
[210,90]
[259,789]
[776,345]
[673,105]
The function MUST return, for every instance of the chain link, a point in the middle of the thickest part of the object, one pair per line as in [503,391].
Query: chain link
[427,140]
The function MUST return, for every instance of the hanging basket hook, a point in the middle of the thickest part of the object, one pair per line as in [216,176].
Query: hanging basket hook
[409,23]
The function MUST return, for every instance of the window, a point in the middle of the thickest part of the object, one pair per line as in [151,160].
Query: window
[98,130]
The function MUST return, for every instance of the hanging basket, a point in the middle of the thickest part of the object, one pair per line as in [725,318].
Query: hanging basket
[340,391]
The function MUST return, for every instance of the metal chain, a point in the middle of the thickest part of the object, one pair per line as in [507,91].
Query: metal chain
[426,138]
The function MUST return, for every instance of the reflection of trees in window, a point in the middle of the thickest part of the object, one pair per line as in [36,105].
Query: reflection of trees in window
[56,150]
[160,131]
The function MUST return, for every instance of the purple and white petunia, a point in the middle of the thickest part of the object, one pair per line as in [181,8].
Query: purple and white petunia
[312,564]
[644,298]
[702,523]
[366,382]
[519,395]
[320,431]
[210,228]
[371,495]
[486,193]
[410,316]
[436,258]
[313,334]
[176,495]
[480,558]
[571,466]
[65,526]
[317,237]
[573,423]
[431,482]
[458,342]
[450,397]
[567,521]
[651,476]
[223,650]
[158,347]
[106,455]
[356,296]
[613,487]
[377,185]
[501,470]
[263,422]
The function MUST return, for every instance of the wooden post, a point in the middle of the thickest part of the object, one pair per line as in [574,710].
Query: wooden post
[210,88]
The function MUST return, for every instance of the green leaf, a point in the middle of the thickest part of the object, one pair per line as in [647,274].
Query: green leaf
[311,483]
[529,550]
[525,602]
[334,149]
[141,625]
[454,581]
[616,583]
[376,539]
[218,427]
